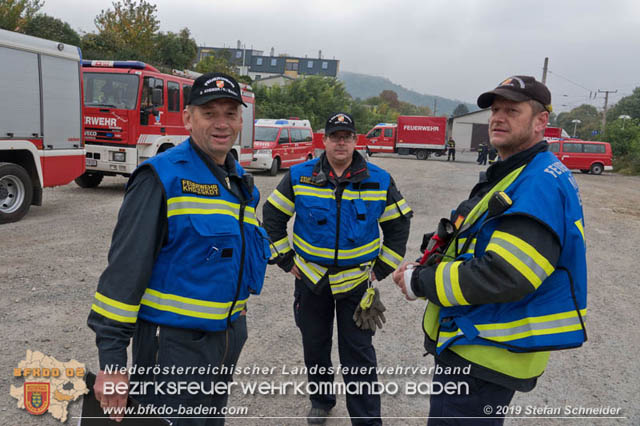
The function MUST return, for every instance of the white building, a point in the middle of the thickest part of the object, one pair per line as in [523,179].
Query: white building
[469,130]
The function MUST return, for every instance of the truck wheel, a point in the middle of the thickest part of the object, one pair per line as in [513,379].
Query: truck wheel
[89,180]
[585,171]
[422,154]
[597,168]
[275,165]
[16,192]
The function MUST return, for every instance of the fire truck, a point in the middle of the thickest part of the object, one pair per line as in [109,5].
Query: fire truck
[40,120]
[281,143]
[412,135]
[132,112]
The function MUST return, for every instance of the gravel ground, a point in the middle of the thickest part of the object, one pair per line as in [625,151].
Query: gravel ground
[51,260]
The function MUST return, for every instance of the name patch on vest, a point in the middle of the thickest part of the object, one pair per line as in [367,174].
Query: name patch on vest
[189,187]
[308,180]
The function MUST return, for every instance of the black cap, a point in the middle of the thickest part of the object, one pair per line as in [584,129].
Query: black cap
[215,85]
[518,88]
[339,121]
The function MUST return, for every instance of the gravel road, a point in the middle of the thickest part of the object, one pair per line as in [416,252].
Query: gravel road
[51,260]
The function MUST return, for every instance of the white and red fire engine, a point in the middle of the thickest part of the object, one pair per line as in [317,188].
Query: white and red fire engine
[281,143]
[40,120]
[132,112]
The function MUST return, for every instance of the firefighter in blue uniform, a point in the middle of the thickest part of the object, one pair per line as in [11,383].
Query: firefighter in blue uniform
[511,285]
[186,253]
[340,202]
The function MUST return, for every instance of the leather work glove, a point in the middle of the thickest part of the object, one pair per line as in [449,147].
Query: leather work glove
[369,313]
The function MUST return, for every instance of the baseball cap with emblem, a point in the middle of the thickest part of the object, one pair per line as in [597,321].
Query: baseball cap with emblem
[211,86]
[518,88]
[339,121]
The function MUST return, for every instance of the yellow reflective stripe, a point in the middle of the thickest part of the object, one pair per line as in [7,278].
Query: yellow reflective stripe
[390,257]
[392,211]
[282,203]
[312,191]
[516,263]
[580,228]
[347,286]
[539,259]
[482,206]
[367,195]
[329,253]
[311,270]
[113,316]
[455,284]
[440,291]
[348,275]
[188,306]
[116,304]
[280,247]
[472,246]
[196,205]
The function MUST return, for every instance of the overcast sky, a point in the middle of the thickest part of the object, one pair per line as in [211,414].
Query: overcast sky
[454,49]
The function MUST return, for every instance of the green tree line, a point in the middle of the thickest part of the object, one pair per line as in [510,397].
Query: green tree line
[622,130]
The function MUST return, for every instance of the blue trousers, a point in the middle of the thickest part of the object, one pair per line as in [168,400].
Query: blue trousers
[314,315]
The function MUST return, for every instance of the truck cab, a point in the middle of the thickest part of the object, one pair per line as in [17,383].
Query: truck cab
[281,143]
[382,138]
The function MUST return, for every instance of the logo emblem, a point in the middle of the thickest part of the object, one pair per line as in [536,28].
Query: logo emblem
[341,118]
[36,398]
[220,84]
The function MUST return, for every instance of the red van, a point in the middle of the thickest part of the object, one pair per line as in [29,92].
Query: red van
[281,144]
[587,156]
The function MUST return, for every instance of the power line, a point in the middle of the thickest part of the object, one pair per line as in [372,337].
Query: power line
[570,81]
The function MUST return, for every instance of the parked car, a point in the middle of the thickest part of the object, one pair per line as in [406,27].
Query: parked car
[587,156]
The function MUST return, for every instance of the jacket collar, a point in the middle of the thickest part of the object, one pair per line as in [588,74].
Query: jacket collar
[356,172]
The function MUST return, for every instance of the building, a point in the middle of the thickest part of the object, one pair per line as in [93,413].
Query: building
[258,66]
[469,130]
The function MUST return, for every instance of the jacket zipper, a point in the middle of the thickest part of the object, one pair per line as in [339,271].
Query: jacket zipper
[240,274]
[338,195]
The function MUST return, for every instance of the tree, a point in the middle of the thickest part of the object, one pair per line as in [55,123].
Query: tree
[629,105]
[175,51]
[590,120]
[391,98]
[50,28]
[461,109]
[131,27]
[15,14]
[218,62]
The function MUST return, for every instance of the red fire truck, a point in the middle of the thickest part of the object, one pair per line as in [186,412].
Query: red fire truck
[40,120]
[281,144]
[132,112]
[318,144]
[412,135]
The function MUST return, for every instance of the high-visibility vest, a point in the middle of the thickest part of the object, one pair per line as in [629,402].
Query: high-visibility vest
[514,338]
[339,234]
[216,253]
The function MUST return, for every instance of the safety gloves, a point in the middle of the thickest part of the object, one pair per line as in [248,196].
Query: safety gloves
[369,313]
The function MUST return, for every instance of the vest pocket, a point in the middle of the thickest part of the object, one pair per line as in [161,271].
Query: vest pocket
[314,215]
[256,258]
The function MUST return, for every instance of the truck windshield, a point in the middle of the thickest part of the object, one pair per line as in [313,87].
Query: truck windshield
[266,134]
[110,90]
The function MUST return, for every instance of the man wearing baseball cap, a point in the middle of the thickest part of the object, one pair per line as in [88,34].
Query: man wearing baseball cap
[186,253]
[340,202]
[510,285]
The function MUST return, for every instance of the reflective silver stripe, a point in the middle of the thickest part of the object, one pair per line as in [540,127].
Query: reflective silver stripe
[335,288]
[446,277]
[364,195]
[116,311]
[393,211]
[278,200]
[529,327]
[329,253]
[307,268]
[194,206]
[188,309]
[280,247]
[309,191]
[522,256]
[349,274]
[182,205]
[472,245]
[390,257]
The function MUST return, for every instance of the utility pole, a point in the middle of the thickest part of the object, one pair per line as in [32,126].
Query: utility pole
[544,70]
[435,107]
[606,101]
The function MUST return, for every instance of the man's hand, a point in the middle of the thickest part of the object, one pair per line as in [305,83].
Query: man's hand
[296,272]
[398,278]
[373,277]
[114,400]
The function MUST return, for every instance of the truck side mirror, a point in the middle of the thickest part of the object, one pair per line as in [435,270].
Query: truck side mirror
[156,96]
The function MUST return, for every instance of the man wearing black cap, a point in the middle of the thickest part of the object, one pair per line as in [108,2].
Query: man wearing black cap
[340,202]
[510,284]
[186,253]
